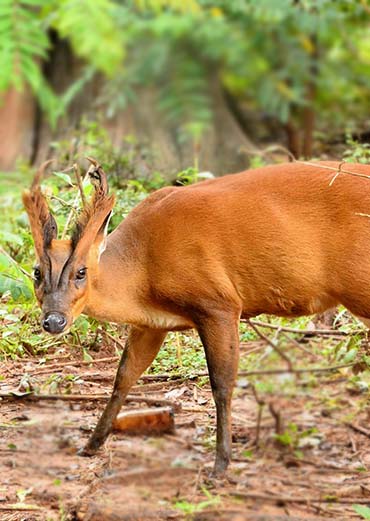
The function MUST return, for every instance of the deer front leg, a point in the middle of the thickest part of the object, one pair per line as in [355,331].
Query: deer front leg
[220,338]
[141,348]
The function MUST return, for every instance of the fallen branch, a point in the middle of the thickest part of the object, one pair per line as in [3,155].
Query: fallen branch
[176,377]
[308,370]
[290,499]
[60,365]
[90,397]
[358,428]
[169,376]
[18,506]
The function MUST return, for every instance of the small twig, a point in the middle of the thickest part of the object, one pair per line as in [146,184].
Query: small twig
[358,428]
[308,370]
[77,172]
[339,171]
[323,466]
[169,376]
[69,218]
[116,340]
[8,256]
[279,427]
[261,403]
[67,169]
[299,345]
[73,206]
[335,169]
[19,507]
[64,203]
[273,345]
[312,332]
[267,150]
[253,350]
[58,366]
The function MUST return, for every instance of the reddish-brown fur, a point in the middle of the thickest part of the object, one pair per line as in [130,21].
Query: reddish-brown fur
[280,239]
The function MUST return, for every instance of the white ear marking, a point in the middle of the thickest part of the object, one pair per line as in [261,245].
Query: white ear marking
[103,243]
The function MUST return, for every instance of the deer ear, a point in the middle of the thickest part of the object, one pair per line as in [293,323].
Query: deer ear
[101,238]
[43,226]
[91,228]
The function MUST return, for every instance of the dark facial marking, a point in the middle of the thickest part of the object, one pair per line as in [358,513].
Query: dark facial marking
[37,275]
[50,231]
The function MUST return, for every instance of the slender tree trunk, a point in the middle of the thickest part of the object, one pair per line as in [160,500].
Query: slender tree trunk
[17,115]
[293,138]
[308,121]
[308,116]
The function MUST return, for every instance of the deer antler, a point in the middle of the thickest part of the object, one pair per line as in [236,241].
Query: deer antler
[97,176]
[96,213]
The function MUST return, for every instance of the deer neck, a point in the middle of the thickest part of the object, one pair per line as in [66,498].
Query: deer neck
[113,293]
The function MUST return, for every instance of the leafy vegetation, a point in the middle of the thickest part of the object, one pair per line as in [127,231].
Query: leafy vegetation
[189,509]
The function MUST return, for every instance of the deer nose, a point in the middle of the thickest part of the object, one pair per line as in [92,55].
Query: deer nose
[54,322]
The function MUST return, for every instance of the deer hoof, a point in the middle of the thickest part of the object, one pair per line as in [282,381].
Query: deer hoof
[86,452]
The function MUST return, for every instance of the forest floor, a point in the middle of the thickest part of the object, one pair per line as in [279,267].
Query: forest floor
[316,467]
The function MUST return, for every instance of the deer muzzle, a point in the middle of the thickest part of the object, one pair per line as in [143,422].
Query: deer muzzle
[54,322]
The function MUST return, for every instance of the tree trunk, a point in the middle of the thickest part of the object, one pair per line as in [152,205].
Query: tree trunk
[17,116]
[25,132]
[293,139]
[308,120]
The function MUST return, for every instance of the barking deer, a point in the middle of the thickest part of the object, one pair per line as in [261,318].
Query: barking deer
[289,240]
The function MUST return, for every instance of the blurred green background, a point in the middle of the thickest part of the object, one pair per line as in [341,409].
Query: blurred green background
[172,84]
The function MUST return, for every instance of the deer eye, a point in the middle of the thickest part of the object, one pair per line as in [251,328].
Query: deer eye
[37,274]
[81,274]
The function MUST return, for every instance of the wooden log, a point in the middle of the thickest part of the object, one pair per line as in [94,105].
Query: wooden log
[146,421]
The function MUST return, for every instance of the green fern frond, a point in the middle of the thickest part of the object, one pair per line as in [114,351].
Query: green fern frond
[92,30]
[23,42]
[184,96]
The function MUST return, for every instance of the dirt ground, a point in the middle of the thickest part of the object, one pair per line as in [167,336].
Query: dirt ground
[318,476]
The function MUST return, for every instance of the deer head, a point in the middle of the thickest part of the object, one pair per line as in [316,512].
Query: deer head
[65,268]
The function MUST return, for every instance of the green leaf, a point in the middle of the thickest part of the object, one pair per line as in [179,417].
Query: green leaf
[87,24]
[6,236]
[362,510]
[86,356]
[65,177]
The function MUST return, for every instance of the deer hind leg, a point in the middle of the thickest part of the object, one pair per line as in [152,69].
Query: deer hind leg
[141,348]
[220,338]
